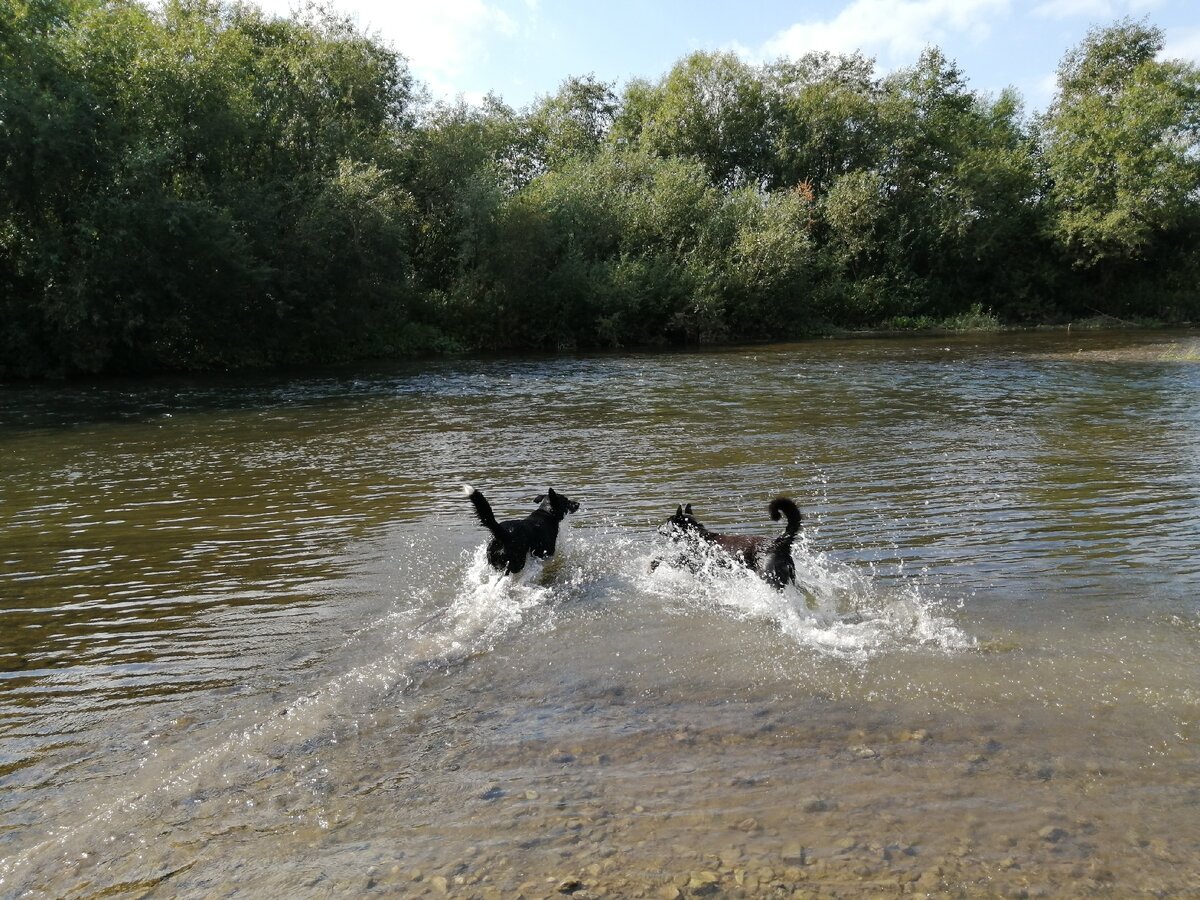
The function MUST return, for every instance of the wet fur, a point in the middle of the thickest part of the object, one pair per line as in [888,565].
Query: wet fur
[514,539]
[771,558]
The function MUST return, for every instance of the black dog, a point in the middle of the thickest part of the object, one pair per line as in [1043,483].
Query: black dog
[513,540]
[769,557]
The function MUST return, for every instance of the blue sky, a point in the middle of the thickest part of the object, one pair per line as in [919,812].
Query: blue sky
[522,49]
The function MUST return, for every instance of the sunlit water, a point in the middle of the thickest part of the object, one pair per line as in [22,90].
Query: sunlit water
[249,642]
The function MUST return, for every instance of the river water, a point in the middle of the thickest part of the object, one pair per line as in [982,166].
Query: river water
[249,644]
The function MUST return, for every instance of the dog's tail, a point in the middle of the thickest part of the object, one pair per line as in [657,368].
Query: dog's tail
[483,510]
[782,506]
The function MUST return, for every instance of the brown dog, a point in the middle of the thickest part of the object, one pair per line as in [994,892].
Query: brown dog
[769,557]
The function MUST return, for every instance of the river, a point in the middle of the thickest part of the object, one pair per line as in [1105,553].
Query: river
[249,643]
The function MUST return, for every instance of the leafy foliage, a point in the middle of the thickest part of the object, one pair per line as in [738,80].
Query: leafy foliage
[197,184]
[1123,151]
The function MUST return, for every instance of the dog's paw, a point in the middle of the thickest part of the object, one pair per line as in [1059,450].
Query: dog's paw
[467,490]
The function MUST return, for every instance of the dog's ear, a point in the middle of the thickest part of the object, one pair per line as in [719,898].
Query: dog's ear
[550,493]
[679,510]
[539,498]
[687,510]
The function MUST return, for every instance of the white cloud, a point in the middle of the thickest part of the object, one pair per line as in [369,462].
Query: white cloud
[1093,10]
[1039,91]
[444,40]
[1069,9]
[1182,43]
[895,31]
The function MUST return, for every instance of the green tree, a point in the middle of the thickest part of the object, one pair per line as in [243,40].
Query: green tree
[575,121]
[194,183]
[960,191]
[599,252]
[825,111]
[711,107]
[49,117]
[460,164]
[180,184]
[769,266]
[1122,144]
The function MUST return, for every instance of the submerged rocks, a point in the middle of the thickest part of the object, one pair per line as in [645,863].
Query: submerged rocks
[748,825]
[929,880]
[795,855]
[704,882]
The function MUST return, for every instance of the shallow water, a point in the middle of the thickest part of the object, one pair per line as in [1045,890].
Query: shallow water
[248,642]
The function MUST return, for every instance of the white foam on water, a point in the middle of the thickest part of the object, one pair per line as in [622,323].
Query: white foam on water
[489,604]
[396,653]
[833,608]
[467,609]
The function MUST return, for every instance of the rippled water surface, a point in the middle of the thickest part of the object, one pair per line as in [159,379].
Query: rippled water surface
[249,643]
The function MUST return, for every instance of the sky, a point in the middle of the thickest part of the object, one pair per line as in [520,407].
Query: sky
[524,49]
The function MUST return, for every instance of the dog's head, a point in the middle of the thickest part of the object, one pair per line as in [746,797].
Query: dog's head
[558,505]
[682,523]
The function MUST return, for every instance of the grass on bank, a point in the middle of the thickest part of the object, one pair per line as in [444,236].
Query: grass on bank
[974,319]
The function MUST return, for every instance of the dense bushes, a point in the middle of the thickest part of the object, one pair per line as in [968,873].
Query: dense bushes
[199,185]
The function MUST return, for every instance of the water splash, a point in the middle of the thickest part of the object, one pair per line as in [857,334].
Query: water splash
[454,611]
[270,750]
[833,608]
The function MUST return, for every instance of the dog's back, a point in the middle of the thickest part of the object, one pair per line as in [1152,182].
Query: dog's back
[514,539]
[770,557]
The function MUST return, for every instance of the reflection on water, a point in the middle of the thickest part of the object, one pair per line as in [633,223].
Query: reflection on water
[248,641]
